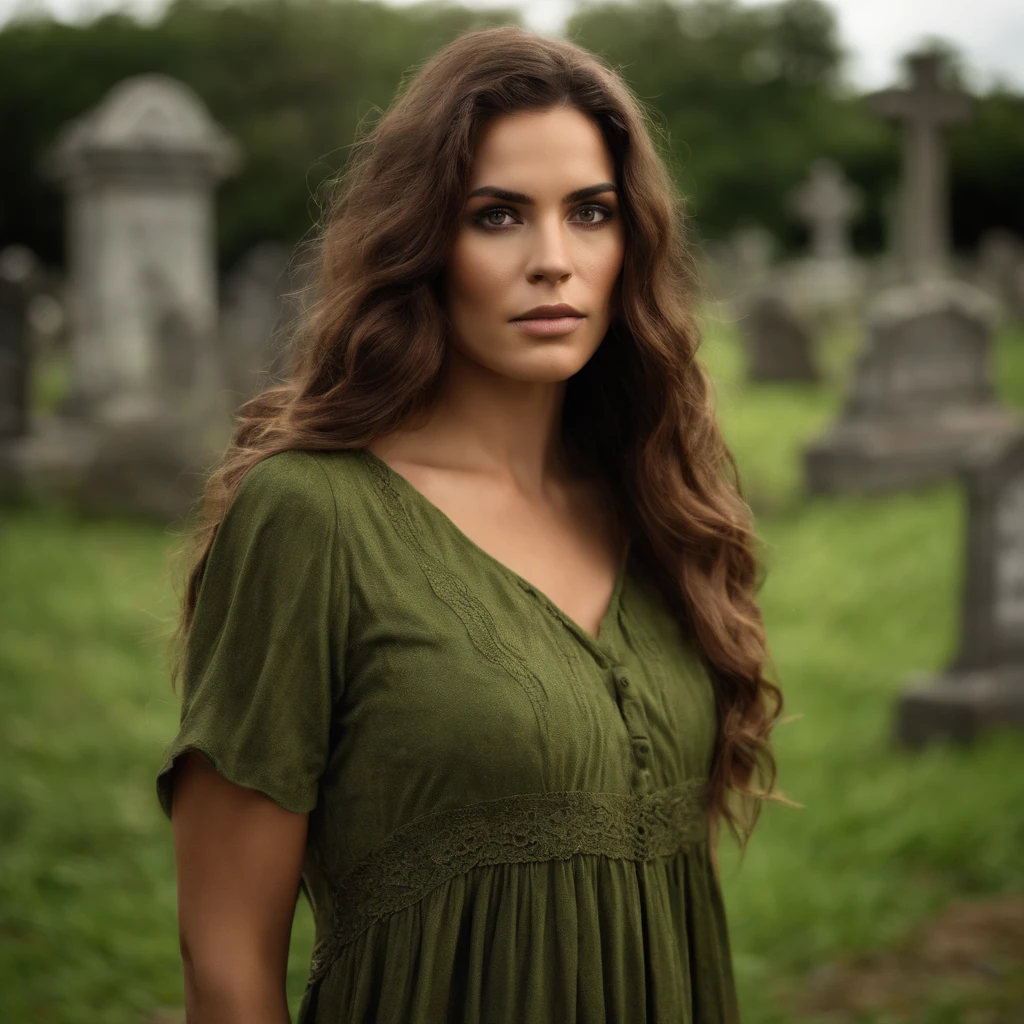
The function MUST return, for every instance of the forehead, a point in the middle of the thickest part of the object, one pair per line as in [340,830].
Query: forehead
[536,152]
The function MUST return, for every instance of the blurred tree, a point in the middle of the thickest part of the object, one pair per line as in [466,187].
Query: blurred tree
[987,156]
[745,97]
[748,96]
[291,79]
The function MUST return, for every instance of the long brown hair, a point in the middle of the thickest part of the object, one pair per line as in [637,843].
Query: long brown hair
[367,354]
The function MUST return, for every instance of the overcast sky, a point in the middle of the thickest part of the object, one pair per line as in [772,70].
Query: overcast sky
[989,32]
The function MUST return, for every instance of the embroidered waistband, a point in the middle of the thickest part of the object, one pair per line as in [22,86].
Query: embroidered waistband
[519,829]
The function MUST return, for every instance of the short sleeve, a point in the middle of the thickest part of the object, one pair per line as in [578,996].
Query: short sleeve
[261,665]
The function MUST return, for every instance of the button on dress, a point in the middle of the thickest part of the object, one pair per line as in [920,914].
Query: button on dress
[506,818]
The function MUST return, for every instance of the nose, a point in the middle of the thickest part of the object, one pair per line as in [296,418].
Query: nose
[549,255]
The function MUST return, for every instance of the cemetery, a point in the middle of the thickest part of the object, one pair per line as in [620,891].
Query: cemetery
[863,595]
[876,411]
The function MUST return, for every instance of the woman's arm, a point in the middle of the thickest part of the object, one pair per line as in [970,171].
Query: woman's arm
[239,860]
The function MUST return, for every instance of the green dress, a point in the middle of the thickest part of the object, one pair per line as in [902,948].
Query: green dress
[505,816]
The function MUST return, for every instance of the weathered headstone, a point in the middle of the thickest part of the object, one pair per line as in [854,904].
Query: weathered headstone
[742,266]
[753,252]
[1000,269]
[985,685]
[139,171]
[923,394]
[925,108]
[779,343]
[254,317]
[15,369]
[14,359]
[889,268]
[45,289]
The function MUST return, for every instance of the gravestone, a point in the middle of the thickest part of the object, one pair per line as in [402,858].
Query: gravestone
[922,398]
[44,288]
[15,375]
[984,687]
[139,171]
[827,204]
[1001,269]
[753,249]
[255,316]
[742,264]
[925,108]
[829,279]
[14,359]
[890,266]
[779,344]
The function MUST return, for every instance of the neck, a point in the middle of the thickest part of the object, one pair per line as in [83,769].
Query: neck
[492,425]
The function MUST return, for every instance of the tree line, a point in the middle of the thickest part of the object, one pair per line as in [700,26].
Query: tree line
[743,98]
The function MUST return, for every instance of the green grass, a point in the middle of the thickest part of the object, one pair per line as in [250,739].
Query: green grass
[860,595]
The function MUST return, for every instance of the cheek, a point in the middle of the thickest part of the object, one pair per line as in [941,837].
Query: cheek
[599,263]
[476,270]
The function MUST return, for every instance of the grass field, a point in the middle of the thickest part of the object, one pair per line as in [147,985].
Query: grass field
[891,896]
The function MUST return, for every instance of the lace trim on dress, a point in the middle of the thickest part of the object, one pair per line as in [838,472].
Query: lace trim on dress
[519,829]
[452,589]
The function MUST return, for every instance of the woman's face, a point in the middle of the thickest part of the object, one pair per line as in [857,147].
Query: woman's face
[529,239]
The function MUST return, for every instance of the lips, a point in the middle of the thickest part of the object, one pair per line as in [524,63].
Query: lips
[556,312]
[549,326]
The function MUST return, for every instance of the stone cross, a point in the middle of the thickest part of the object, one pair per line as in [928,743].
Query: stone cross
[827,203]
[924,108]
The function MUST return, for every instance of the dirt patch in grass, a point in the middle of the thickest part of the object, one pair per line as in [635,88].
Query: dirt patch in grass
[967,961]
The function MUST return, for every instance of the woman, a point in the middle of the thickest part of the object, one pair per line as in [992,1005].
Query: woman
[471,650]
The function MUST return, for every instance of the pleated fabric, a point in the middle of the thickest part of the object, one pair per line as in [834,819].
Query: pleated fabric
[506,814]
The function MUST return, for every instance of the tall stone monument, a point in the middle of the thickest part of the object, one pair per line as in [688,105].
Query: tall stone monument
[984,687]
[139,172]
[146,409]
[924,108]
[923,394]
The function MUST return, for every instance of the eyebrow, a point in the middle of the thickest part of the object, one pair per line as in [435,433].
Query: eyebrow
[520,197]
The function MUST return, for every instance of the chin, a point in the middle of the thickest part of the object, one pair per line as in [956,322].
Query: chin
[549,364]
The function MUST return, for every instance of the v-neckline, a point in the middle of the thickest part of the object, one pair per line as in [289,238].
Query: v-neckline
[599,640]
